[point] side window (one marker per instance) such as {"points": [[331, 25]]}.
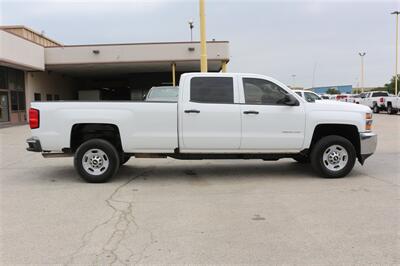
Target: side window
{"points": [[211, 89], [298, 93], [380, 94], [260, 91]]}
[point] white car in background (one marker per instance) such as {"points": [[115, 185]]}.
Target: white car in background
{"points": [[309, 96], [392, 104], [374, 100]]}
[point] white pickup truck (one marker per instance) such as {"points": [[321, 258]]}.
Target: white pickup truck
{"points": [[392, 104], [217, 116], [374, 100]]}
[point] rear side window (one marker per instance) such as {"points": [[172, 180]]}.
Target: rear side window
{"points": [[379, 94], [211, 89]]}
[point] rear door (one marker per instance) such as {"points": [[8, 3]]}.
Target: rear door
{"points": [[268, 125], [210, 115]]}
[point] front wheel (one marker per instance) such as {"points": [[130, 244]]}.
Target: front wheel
{"points": [[376, 109], [391, 110], [96, 160], [333, 156]]}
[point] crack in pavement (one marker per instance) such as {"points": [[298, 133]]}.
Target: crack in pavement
{"points": [[114, 241]]}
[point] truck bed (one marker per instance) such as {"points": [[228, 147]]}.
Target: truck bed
{"points": [[143, 126]]}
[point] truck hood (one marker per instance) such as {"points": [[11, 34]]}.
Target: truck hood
{"points": [[329, 105]]}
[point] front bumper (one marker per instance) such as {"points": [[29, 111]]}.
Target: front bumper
{"points": [[34, 145], [368, 143]]}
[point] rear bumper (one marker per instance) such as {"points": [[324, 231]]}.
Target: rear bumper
{"points": [[34, 145], [368, 143]]}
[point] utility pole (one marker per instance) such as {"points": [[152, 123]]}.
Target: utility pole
{"points": [[203, 40], [362, 69], [397, 50]]}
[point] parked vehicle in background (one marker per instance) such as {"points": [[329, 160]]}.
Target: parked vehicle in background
{"points": [[374, 100], [309, 96], [355, 98], [325, 97], [217, 116], [392, 104], [163, 94]]}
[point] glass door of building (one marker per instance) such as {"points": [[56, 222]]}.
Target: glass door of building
{"points": [[4, 117]]}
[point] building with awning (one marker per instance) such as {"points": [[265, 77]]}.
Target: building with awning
{"points": [[34, 67]]}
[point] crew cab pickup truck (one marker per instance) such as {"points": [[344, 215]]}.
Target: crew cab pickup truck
{"points": [[216, 116], [392, 104], [374, 100]]}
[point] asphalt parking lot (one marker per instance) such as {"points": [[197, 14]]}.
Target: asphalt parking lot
{"points": [[169, 211]]}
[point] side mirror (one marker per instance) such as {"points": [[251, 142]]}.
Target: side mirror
{"points": [[290, 100]]}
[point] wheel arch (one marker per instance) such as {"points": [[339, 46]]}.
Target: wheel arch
{"points": [[82, 132], [348, 131]]}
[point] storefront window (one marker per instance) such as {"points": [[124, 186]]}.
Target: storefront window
{"points": [[12, 79], [3, 78], [17, 101]]}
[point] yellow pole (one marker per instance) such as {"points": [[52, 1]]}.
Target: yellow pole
{"points": [[203, 41], [223, 68], [173, 74], [397, 52]]}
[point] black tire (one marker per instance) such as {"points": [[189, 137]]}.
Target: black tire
{"points": [[321, 147], [106, 155], [375, 109], [301, 158], [391, 110], [124, 159]]}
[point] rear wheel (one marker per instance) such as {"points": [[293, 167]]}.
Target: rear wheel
{"points": [[333, 156], [96, 160]]}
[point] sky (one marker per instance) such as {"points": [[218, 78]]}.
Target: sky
{"points": [[301, 43]]}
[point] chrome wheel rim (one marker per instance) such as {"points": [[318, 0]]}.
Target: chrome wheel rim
{"points": [[335, 158], [95, 162]]}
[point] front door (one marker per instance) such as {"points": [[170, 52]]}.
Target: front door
{"points": [[268, 125], [209, 116], [4, 107]]}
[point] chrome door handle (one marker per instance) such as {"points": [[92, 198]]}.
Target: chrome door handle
{"points": [[250, 112]]}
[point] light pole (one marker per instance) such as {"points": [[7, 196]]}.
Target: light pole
{"points": [[203, 41], [362, 69], [397, 49], [191, 26]]}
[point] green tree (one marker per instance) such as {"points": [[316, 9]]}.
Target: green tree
{"points": [[389, 87], [333, 90]]}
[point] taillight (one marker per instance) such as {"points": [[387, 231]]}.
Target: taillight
{"points": [[34, 118], [381, 99]]}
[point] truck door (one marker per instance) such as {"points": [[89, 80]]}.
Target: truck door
{"points": [[209, 115], [268, 124]]}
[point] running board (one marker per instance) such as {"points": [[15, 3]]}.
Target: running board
{"points": [[56, 154]]}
